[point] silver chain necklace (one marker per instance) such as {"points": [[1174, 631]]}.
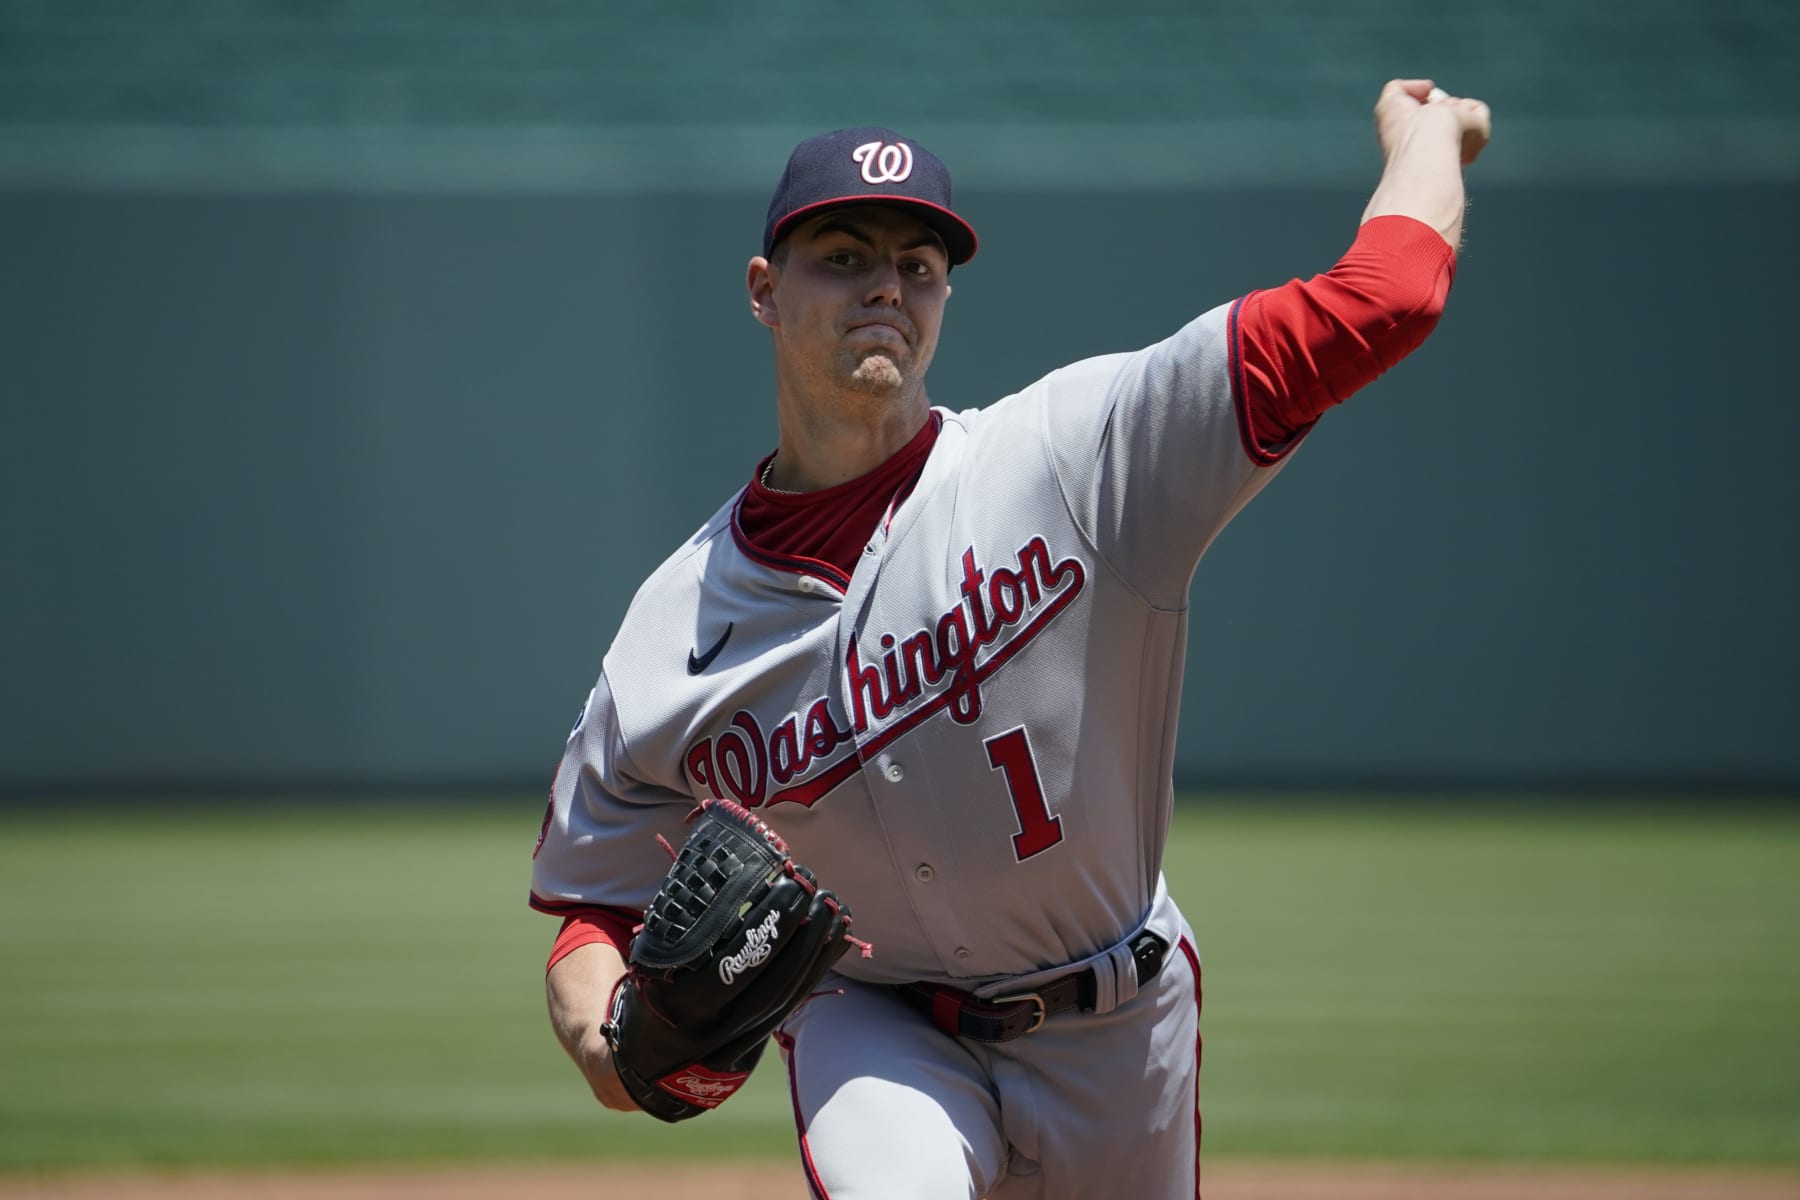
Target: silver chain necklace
{"points": [[768, 468]]}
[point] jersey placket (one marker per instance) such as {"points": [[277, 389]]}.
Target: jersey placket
{"points": [[897, 776]]}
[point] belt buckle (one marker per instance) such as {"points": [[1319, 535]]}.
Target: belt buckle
{"points": [[1037, 1000]]}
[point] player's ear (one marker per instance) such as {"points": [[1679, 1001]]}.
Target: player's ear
{"points": [[759, 281]]}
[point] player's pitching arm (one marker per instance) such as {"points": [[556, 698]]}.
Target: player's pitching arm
{"points": [[1311, 344], [579, 988]]}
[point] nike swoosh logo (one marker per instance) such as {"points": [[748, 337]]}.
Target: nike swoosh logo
{"points": [[697, 665]]}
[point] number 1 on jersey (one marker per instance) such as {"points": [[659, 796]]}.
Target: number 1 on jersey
{"points": [[1010, 753]]}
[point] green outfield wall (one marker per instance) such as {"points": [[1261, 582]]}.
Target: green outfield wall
{"points": [[350, 488]]}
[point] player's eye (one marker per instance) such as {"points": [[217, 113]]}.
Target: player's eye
{"points": [[841, 258]]}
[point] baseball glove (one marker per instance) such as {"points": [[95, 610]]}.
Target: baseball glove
{"points": [[737, 936]]}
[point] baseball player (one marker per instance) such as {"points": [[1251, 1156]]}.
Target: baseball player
{"points": [[940, 654]]}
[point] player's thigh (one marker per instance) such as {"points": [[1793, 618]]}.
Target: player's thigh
{"points": [[888, 1108], [1084, 1086]]}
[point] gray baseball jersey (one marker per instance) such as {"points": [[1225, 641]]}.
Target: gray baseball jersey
{"points": [[970, 739]]}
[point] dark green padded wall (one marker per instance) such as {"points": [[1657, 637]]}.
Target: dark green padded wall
{"points": [[329, 489], [357, 357]]}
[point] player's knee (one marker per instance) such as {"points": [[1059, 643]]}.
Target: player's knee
{"points": [[879, 1141]]}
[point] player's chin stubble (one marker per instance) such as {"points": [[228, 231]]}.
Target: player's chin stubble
{"points": [[877, 373]]}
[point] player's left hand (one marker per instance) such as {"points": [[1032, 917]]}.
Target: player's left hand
{"points": [[1404, 103], [736, 938]]}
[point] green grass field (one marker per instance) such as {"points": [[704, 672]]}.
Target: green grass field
{"points": [[282, 983]]}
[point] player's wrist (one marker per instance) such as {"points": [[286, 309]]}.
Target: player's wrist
{"points": [[602, 1074], [598, 1062]]}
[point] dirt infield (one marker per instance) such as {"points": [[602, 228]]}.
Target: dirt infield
{"points": [[763, 1181]]}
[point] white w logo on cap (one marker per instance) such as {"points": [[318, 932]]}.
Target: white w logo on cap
{"points": [[882, 162]]}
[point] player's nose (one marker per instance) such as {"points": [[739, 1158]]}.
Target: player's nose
{"points": [[884, 286]]}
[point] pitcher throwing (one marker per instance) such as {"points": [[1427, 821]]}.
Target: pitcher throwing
{"points": [[936, 658]]}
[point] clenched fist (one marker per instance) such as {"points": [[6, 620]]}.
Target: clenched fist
{"points": [[1406, 103]]}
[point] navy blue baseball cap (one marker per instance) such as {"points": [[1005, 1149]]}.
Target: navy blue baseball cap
{"points": [[870, 165]]}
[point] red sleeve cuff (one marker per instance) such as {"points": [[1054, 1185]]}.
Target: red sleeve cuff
{"points": [[614, 926], [1310, 344]]}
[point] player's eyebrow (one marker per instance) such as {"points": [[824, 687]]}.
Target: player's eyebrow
{"points": [[850, 228], [928, 238], [831, 225]]}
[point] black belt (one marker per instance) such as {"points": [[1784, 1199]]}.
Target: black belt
{"points": [[962, 1014]]}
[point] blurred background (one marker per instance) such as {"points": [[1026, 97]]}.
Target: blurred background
{"points": [[358, 359], [361, 358]]}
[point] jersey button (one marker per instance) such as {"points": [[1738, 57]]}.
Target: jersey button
{"points": [[924, 873], [894, 773], [964, 954], [808, 584]]}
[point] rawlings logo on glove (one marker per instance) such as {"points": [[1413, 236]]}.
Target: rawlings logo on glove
{"points": [[737, 936], [756, 949]]}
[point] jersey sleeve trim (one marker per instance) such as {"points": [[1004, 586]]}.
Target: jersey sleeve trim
{"points": [[1260, 454], [569, 908]]}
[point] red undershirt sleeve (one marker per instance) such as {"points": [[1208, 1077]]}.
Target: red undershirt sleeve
{"points": [[613, 926], [1310, 344]]}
